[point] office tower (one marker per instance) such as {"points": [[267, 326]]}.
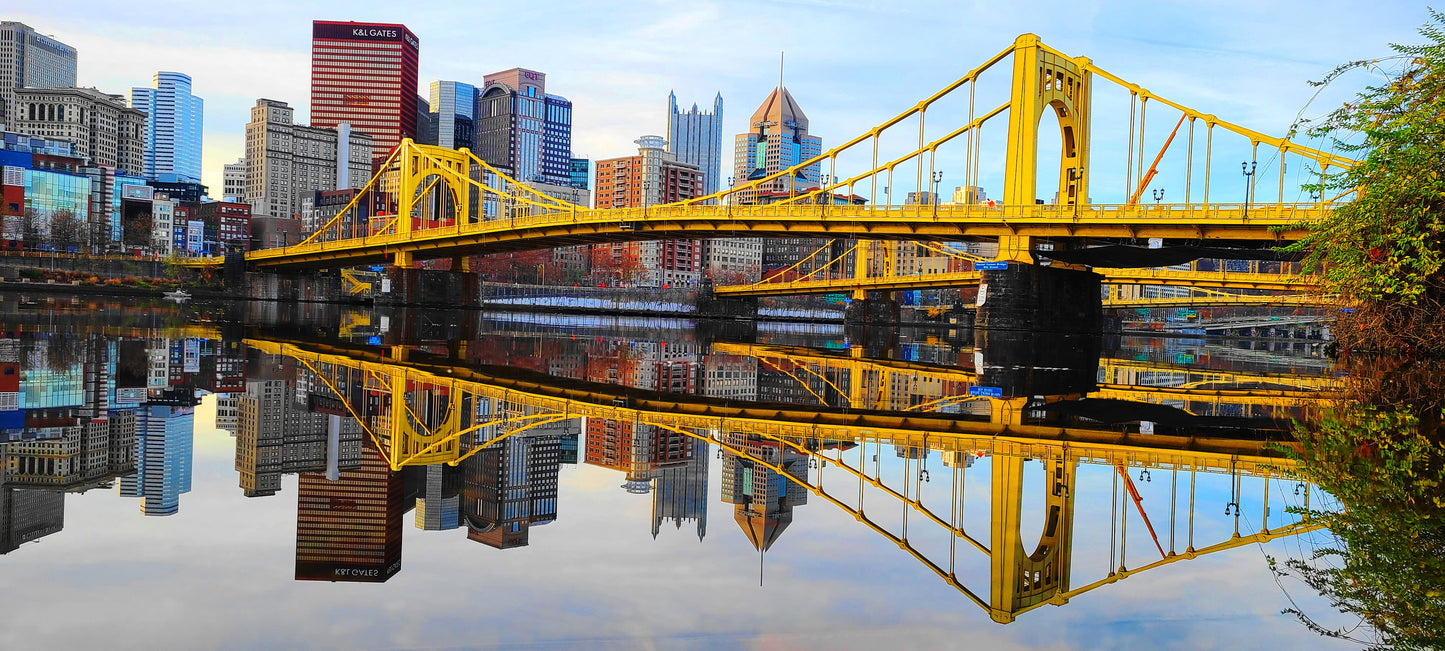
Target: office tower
{"points": [[111, 133], [510, 486], [695, 137], [778, 139], [173, 127], [164, 438], [653, 177], [364, 75], [349, 529], [523, 128], [557, 140], [453, 110], [581, 173], [233, 184], [31, 60], [679, 492], [763, 500], [287, 162], [426, 125]]}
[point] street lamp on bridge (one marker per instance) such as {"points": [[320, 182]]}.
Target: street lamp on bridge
{"points": [[1248, 170], [1158, 195], [937, 179]]}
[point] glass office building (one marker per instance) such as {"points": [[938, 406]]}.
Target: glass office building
{"points": [[453, 110], [173, 124]]}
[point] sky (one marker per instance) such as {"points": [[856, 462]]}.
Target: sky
{"points": [[850, 64]]}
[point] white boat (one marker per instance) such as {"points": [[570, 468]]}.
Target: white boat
{"points": [[177, 295]]}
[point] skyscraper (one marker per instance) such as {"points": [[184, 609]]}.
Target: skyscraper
{"points": [[778, 139], [696, 137], [287, 162], [453, 109], [173, 128], [365, 75], [30, 60], [523, 128]]}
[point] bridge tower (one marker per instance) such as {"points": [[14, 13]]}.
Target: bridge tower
{"points": [[433, 189], [1045, 81], [1019, 579]]}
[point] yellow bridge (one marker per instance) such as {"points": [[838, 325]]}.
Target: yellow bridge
{"points": [[434, 203], [422, 409]]}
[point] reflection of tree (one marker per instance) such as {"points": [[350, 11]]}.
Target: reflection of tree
{"points": [[1380, 453]]}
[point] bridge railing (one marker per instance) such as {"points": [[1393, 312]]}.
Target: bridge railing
{"points": [[627, 217]]}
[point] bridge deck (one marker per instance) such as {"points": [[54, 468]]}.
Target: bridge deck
{"points": [[1262, 223]]}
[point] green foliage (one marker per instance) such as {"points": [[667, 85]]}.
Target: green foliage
{"points": [[1388, 244], [1386, 466]]}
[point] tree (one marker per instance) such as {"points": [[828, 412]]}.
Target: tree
{"points": [[66, 230], [1385, 250], [32, 228]]}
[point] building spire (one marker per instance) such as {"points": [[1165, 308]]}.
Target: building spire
{"points": [[780, 70]]}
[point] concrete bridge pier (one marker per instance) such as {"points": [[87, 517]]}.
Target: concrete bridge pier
{"points": [[405, 285], [710, 305], [1040, 299], [871, 311]]}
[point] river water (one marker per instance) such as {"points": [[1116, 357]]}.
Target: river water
{"points": [[262, 475]]}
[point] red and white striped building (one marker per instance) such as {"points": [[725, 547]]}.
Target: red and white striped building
{"points": [[365, 75]]}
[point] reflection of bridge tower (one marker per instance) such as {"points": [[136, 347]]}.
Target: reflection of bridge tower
{"points": [[680, 492], [1022, 579], [763, 499]]}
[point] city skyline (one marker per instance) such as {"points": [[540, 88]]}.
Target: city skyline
{"points": [[1209, 55]]}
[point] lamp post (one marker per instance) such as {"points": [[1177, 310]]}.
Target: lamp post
{"points": [[1158, 195], [937, 179], [1248, 170]]}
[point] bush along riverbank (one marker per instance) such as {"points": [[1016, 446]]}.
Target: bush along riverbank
{"points": [[1383, 252]]}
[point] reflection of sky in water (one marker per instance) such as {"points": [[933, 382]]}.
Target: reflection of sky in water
{"points": [[220, 574]]}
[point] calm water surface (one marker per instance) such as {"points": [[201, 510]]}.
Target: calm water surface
{"points": [[265, 475]]}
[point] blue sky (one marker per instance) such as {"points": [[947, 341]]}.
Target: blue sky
{"points": [[850, 63]]}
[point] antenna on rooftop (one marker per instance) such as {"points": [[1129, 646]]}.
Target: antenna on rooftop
{"points": [[780, 69]]}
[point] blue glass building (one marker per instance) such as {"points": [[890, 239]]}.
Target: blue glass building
{"points": [[695, 136], [453, 111], [173, 123]]}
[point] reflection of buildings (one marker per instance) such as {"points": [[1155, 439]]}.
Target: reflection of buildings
{"points": [[510, 486], [762, 499], [438, 506], [277, 433], [637, 449], [349, 529], [679, 493], [163, 458]]}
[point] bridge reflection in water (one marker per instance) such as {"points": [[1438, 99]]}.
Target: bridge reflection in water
{"points": [[422, 409]]}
